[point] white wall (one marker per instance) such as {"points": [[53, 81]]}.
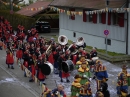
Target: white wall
{"points": [[94, 41], [116, 32], [129, 31], [93, 33]]}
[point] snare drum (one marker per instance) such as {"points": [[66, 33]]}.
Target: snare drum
{"points": [[67, 66]]}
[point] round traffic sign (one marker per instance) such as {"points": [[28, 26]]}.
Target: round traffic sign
{"points": [[106, 32]]}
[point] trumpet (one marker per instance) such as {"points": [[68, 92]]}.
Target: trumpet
{"points": [[48, 51]]}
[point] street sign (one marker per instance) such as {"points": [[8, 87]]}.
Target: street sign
{"points": [[106, 32]]}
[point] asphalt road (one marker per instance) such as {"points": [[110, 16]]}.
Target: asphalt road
{"points": [[14, 84]]}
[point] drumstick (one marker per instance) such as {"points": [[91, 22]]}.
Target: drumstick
{"points": [[56, 83]]}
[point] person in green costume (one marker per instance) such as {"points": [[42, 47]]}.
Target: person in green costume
{"points": [[75, 87], [84, 73]]}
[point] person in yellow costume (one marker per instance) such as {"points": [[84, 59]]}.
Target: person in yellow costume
{"points": [[123, 82], [79, 63], [125, 72], [100, 73], [86, 90], [75, 87], [84, 73]]}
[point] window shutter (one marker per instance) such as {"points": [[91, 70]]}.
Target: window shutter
{"points": [[121, 19], [94, 18], [109, 18], [103, 18], [84, 16]]}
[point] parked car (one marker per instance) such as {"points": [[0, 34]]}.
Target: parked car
{"points": [[43, 27]]}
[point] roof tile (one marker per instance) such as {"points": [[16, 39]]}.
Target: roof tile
{"points": [[37, 4], [93, 4]]}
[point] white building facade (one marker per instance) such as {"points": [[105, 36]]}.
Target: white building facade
{"points": [[129, 30], [91, 27]]}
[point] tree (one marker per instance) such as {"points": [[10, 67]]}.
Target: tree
{"points": [[7, 7], [14, 1], [30, 1]]}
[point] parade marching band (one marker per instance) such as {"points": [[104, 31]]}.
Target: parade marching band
{"points": [[39, 57]]}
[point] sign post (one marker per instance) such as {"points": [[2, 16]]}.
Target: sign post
{"points": [[106, 32]]}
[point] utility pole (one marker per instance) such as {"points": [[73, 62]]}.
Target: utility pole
{"points": [[11, 6]]}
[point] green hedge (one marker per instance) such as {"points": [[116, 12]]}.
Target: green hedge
{"points": [[16, 19]]}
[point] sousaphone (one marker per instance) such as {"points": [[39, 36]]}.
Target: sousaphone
{"points": [[62, 39], [80, 41]]}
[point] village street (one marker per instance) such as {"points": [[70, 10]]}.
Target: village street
{"points": [[14, 84]]}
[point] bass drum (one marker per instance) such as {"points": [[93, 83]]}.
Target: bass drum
{"points": [[67, 66], [47, 68]]}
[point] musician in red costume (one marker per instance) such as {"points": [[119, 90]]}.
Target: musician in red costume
{"points": [[19, 52], [40, 75], [61, 73], [25, 58], [55, 55], [1, 45], [93, 53], [67, 54], [0, 31], [10, 58], [51, 58], [72, 47], [37, 52], [74, 57], [31, 67]]}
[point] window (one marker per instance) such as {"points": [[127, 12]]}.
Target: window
{"points": [[103, 18], [100, 18], [74, 34], [115, 18], [72, 16], [93, 18], [108, 41], [90, 17], [118, 19]]}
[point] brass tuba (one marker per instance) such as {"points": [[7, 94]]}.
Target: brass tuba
{"points": [[62, 39], [80, 41]]}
